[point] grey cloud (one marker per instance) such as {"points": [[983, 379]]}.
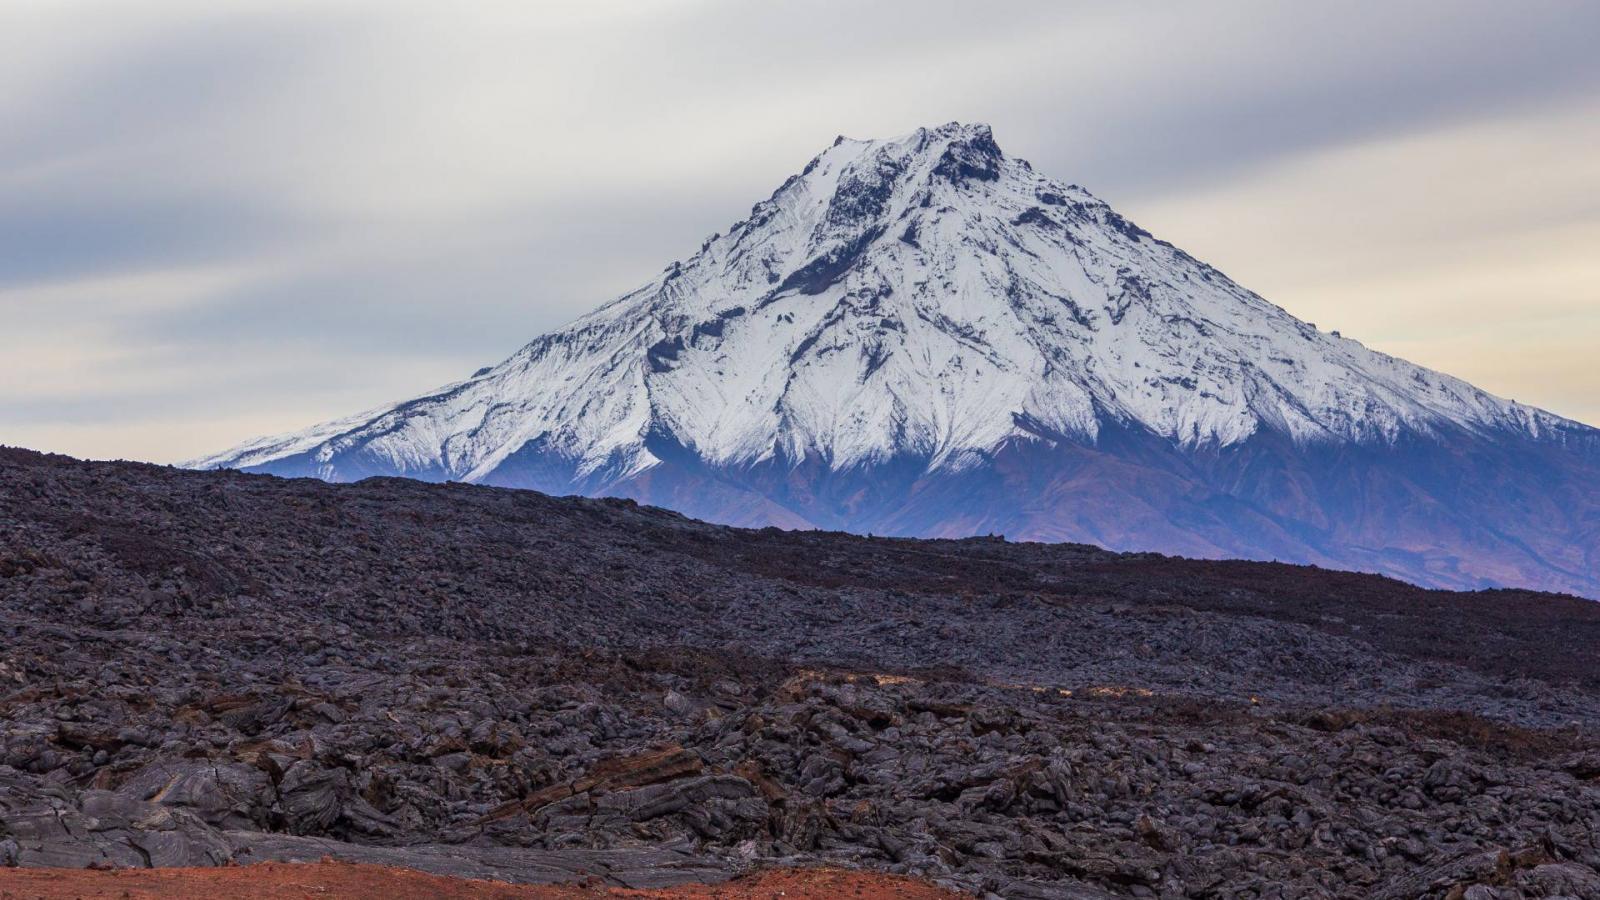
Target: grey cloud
{"points": [[320, 145], [476, 295], [173, 81], [106, 224], [1243, 84], [114, 166]]}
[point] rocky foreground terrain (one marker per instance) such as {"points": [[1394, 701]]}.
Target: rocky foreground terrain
{"points": [[363, 881], [204, 668]]}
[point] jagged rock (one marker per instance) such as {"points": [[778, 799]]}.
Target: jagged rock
{"points": [[1454, 876], [1452, 780], [224, 795], [643, 804], [1558, 880], [956, 710], [614, 774], [111, 830], [312, 797]]}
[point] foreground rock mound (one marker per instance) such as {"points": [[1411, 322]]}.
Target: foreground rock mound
{"points": [[204, 668]]}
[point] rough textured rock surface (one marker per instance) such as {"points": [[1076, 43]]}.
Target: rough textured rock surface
{"points": [[356, 881], [205, 667]]}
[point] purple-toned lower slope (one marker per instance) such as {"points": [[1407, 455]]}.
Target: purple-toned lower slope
{"points": [[1462, 512]]}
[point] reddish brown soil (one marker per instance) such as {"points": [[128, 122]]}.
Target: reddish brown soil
{"points": [[286, 881]]}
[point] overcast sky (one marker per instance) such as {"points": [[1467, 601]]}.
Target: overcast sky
{"points": [[215, 225]]}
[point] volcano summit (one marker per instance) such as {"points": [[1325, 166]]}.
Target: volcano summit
{"points": [[924, 336]]}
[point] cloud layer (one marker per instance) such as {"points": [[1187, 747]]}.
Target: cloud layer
{"points": [[214, 225]]}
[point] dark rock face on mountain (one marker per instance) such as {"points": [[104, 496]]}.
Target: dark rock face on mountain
{"points": [[205, 667], [926, 337]]}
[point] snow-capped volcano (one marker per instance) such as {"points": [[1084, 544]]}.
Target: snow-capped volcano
{"points": [[909, 315]]}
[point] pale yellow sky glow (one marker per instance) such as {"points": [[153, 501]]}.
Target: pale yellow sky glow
{"points": [[1473, 248], [219, 222]]}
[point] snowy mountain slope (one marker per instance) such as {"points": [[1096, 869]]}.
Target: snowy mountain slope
{"points": [[906, 311]]}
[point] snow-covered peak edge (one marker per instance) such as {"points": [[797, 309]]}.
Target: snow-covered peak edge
{"points": [[922, 296]]}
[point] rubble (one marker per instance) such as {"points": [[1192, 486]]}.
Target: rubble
{"points": [[200, 669]]}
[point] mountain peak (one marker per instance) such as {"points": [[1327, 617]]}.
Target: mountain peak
{"points": [[925, 297], [918, 305], [970, 152], [929, 135], [976, 136], [954, 151]]}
